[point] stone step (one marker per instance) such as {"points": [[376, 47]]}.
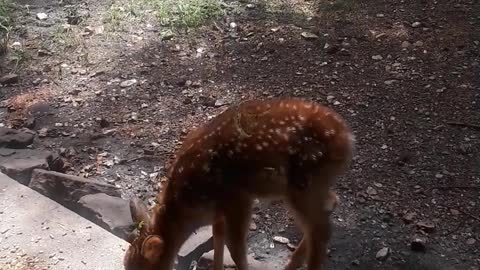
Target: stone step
{"points": [[38, 233]]}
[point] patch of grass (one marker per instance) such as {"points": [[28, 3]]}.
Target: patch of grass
{"points": [[184, 14], [346, 6], [67, 36], [6, 7], [124, 14], [18, 57]]}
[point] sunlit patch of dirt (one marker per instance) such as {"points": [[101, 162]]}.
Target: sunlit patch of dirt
{"points": [[19, 105]]}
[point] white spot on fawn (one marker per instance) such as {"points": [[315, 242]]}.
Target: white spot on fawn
{"points": [[258, 147], [265, 144], [307, 105], [180, 169], [329, 132]]}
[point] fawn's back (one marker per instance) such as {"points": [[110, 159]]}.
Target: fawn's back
{"points": [[263, 148]]}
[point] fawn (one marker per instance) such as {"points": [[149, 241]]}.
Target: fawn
{"points": [[287, 149]]}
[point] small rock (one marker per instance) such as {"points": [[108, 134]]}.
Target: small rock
{"points": [[409, 217], [389, 82], [455, 212], [416, 24], [471, 241], [380, 15], [418, 43], [9, 79], [253, 226], [426, 226], [309, 36], [418, 245], [233, 25], [406, 44], [371, 191], [355, 262], [42, 16], [383, 253], [250, 6], [220, 102], [377, 57], [128, 83], [281, 239]]}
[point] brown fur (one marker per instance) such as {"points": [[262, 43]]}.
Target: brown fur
{"points": [[287, 149]]}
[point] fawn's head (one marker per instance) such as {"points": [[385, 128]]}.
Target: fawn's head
{"points": [[149, 249]]}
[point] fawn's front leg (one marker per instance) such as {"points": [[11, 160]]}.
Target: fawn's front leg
{"points": [[237, 221], [218, 229]]}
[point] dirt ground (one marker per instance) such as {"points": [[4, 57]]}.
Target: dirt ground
{"points": [[115, 98]]}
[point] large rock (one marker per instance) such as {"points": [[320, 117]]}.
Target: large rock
{"points": [[37, 234], [68, 189], [198, 244], [20, 163], [110, 213], [12, 138]]}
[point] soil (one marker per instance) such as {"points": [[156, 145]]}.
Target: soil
{"points": [[116, 101]]}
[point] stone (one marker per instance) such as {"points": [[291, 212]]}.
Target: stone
{"points": [[406, 44], [281, 239], [309, 36], [416, 24], [196, 245], [418, 43], [110, 213], [383, 253], [42, 16], [371, 191], [377, 57], [471, 241], [12, 138], [418, 245], [20, 163], [68, 189], [128, 83], [9, 79], [409, 217], [426, 226]]}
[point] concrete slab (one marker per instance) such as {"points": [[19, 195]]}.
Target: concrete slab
{"points": [[38, 233]]}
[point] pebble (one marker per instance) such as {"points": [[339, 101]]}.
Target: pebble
{"points": [[281, 239], [377, 57], [383, 253], [471, 241], [371, 191], [42, 16], [418, 43], [128, 83], [416, 24], [309, 36], [406, 44]]}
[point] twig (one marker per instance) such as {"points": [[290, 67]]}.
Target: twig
{"points": [[456, 187], [468, 214], [473, 126]]}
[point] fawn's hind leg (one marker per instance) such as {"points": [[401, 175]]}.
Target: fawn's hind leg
{"points": [[218, 229], [299, 255], [237, 221]]}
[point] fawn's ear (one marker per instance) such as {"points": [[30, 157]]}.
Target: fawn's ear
{"points": [[152, 248], [139, 213]]}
